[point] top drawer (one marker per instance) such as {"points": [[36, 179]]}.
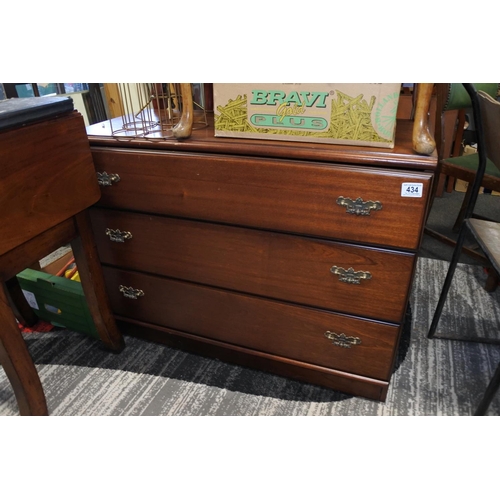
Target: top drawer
{"points": [[301, 197]]}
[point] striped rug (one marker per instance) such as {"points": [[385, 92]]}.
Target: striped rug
{"points": [[433, 377]]}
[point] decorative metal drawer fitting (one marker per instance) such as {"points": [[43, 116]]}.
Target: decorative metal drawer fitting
{"points": [[130, 292], [118, 236], [105, 179], [358, 206], [342, 340], [350, 275]]}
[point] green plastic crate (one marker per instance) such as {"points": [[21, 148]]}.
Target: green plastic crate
{"points": [[58, 300]]}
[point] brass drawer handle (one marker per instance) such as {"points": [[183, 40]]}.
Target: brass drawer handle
{"points": [[105, 179], [117, 235], [130, 292], [342, 340], [350, 275], [358, 206]]}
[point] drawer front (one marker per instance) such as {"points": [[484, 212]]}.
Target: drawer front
{"points": [[320, 273], [300, 197], [322, 338]]}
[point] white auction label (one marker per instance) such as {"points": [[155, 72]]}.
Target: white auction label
{"points": [[412, 189], [30, 297]]}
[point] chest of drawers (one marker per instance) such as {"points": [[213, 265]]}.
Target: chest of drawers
{"points": [[292, 258]]}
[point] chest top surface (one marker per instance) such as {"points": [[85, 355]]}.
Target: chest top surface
{"points": [[204, 141]]}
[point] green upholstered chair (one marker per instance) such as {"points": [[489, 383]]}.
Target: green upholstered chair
{"points": [[451, 97]]}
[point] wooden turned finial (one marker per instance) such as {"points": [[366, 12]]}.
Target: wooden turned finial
{"points": [[185, 125], [422, 140]]}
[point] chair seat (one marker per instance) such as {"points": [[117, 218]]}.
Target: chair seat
{"points": [[468, 165], [487, 234], [471, 162]]}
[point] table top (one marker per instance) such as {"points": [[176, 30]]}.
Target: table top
{"points": [[20, 111]]}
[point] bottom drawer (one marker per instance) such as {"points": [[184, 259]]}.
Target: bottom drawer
{"points": [[313, 336]]}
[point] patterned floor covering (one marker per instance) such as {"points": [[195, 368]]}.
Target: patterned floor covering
{"points": [[433, 377]]}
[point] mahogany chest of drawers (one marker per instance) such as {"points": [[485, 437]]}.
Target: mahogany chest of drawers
{"points": [[293, 258]]}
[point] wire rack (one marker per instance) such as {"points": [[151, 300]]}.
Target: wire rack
{"points": [[153, 109]]}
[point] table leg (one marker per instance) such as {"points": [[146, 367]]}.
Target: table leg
{"points": [[20, 307], [18, 364], [94, 288]]}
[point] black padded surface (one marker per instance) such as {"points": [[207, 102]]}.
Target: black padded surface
{"points": [[21, 111]]}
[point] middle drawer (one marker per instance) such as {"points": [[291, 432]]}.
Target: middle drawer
{"points": [[320, 273]]}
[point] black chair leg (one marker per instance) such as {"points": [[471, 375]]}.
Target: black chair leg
{"points": [[463, 209], [489, 394], [447, 281]]}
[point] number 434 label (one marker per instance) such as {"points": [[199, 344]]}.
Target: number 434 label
{"points": [[412, 189]]}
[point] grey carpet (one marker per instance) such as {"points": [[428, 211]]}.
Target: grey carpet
{"points": [[433, 377]]}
